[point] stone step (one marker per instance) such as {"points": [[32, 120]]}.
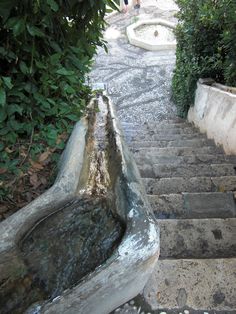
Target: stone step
{"points": [[177, 151], [191, 185], [160, 171], [162, 137], [174, 122], [191, 284], [197, 238], [158, 128], [162, 129], [158, 124], [193, 205], [181, 160], [172, 143]]}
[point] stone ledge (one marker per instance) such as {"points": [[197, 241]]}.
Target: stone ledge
{"points": [[145, 43]]}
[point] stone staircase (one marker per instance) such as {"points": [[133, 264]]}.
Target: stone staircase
{"points": [[191, 186]]}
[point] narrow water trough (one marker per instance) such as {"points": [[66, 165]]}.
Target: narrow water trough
{"points": [[89, 243]]}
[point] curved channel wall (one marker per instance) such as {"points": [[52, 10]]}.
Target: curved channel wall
{"points": [[97, 164]]}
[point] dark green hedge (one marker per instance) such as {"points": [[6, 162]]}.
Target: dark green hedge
{"points": [[46, 49], [206, 47]]}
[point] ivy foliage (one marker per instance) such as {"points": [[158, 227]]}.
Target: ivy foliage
{"points": [[206, 47], [46, 49]]}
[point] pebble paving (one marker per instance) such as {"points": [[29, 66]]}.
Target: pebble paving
{"points": [[138, 81]]}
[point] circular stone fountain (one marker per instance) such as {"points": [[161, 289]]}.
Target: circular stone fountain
{"points": [[153, 34]]}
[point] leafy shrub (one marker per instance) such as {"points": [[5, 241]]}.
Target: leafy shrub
{"points": [[206, 47], [46, 50]]}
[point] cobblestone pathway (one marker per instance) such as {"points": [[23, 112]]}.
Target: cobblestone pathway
{"points": [[137, 80]]}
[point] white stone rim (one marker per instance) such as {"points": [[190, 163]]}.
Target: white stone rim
{"points": [[147, 44]]}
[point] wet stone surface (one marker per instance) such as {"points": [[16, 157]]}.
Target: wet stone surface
{"points": [[61, 250]]}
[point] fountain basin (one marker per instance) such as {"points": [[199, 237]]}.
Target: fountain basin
{"points": [[49, 263], [152, 34]]}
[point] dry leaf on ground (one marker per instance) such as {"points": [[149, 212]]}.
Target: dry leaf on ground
{"points": [[34, 180]]}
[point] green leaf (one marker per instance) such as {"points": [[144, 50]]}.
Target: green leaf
{"points": [[53, 5], [23, 67], [14, 108], [35, 31], [11, 137], [15, 125], [3, 114], [17, 24], [2, 97], [3, 51], [55, 58], [68, 89], [4, 131], [7, 81], [30, 88], [61, 145], [65, 72], [72, 117], [55, 46], [40, 65]]}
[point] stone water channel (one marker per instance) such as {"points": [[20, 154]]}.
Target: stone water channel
{"points": [[69, 243], [79, 247]]}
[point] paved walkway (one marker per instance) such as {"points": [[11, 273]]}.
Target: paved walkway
{"points": [[138, 81]]}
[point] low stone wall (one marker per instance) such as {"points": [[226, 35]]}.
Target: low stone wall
{"points": [[214, 113]]}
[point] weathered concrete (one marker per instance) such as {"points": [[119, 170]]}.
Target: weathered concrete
{"points": [[167, 206], [209, 205], [193, 184], [157, 171], [177, 151], [162, 137], [85, 172], [214, 112], [193, 205], [192, 159], [198, 238], [171, 143], [195, 284]]}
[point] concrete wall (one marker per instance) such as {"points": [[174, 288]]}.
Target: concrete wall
{"points": [[214, 112]]}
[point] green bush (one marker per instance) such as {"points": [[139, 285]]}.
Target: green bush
{"points": [[206, 47], [46, 48]]}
